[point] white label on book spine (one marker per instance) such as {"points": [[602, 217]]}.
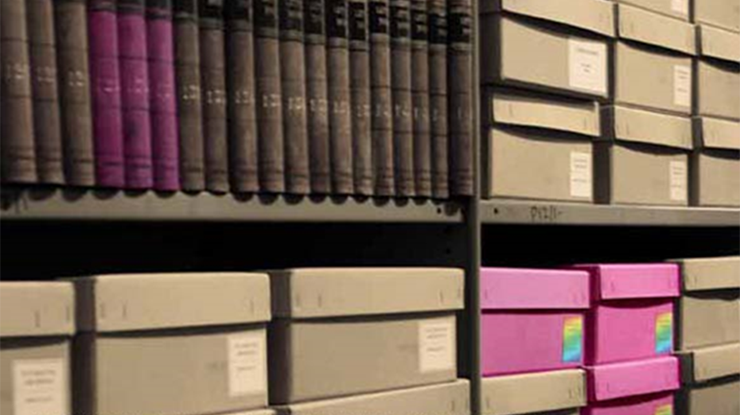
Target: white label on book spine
{"points": [[587, 65], [680, 6], [247, 368], [436, 345], [682, 85], [581, 184], [678, 180], [40, 386]]}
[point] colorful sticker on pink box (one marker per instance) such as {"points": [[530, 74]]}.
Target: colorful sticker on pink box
{"points": [[573, 339], [664, 410], [664, 333]]}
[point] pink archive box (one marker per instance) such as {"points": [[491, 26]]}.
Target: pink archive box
{"points": [[533, 320], [632, 312], [640, 387]]}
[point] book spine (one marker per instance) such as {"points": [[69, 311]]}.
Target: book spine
{"points": [[137, 135], [359, 63], [105, 79], [340, 117], [240, 92], [46, 125], [460, 83], [380, 84], [189, 108], [317, 96], [74, 91], [438, 97], [293, 83], [213, 94], [403, 140], [420, 98], [269, 97], [162, 95]]}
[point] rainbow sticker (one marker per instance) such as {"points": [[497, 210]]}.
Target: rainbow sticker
{"points": [[573, 340], [664, 410], [664, 333]]}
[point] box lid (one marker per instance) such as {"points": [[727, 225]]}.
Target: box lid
{"points": [[507, 395], [647, 127], [655, 29], [707, 363], [512, 288], [623, 281], [710, 273], [718, 43], [36, 309], [544, 111], [442, 399], [674, 8], [593, 15], [334, 292], [637, 377], [125, 302], [716, 133]]}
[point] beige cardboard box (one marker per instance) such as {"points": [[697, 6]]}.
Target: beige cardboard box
{"points": [[699, 274], [715, 163], [651, 79], [595, 16], [534, 392], [347, 331], [197, 340], [674, 8], [451, 398], [720, 13], [655, 29], [709, 363], [643, 158], [717, 86], [36, 324], [712, 381], [718, 43], [518, 52]]}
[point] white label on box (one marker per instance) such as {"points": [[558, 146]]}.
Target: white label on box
{"points": [[247, 368], [680, 6], [682, 85], [678, 180], [39, 387], [581, 184], [587, 65], [436, 345]]}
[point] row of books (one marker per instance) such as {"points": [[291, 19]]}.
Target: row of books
{"points": [[350, 97]]}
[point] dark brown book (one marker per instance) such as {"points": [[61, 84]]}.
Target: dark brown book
{"points": [[460, 83], [293, 83], [47, 125], [438, 97], [269, 97], [241, 93], [340, 116], [382, 111], [403, 139], [359, 70], [18, 150], [420, 98], [70, 20], [213, 81], [189, 107], [317, 96]]}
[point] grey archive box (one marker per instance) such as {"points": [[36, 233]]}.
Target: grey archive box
{"points": [[346, 331], [36, 325], [198, 340]]}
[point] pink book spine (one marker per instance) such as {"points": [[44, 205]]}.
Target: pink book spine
{"points": [[162, 98], [106, 93], [135, 94]]}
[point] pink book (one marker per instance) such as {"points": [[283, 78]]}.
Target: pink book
{"points": [[533, 320], [632, 312]]}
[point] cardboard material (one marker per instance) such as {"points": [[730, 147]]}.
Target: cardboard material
{"points": [[555, 390], [632, 378], [720, 13], [30, 309], [654, 29], [566, 63], [674, 8], [717, 87], [717, 43], [715, 398], [532, 164], [651, 79], [451, 398], [654, 404], [526, 109], [715, 178], [700, 274], [709, 363], [709, 318], [593, 15]]}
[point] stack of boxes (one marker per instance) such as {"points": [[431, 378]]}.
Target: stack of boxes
{"points": [[709, 336]]}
